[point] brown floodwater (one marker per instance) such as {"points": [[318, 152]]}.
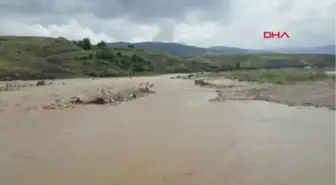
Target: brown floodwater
{"points": [[173, 137]]}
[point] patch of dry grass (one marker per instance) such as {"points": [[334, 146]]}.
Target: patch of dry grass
{"points": [[280, 76]]}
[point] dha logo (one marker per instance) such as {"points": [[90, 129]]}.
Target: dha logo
{"points": [[277, 35]]}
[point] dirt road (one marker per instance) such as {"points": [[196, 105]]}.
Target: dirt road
{"points": [[175, 137]]}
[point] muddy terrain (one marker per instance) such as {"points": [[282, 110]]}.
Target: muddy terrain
{"points": [[317, 93], [158, 131], [59, 94]]}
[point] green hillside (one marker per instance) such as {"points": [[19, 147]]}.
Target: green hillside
{"points": [[183, 49], [41, 57], [172, 48]]}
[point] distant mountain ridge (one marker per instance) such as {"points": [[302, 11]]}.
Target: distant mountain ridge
{"points": [[234, 50], [175, 48], [329, 49], [172, 48]]}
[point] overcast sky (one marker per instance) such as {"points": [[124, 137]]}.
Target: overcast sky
{"points": [[196, 22]]}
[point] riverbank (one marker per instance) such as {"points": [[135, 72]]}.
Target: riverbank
{"points": [[59, 94], [292, 87]]}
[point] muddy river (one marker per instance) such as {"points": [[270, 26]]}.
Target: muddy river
{"points": [[173, 137]]}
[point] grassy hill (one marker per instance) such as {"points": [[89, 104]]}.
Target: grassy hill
{"points": [[42, 57], [182, 49], [233, 50], [330, 49], [179, 49], [172, 48]]}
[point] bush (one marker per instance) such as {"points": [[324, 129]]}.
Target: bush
{"points": [[101, 44], [83, 57], [40, 83], [86, 44], [105, 54]]}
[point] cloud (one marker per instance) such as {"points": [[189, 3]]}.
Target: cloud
{"points": [[147, 9], [73, 30], [197, 22]]}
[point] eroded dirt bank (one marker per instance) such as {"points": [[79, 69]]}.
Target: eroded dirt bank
{"points": [[175, 136], [316, 94], [68, 93]]}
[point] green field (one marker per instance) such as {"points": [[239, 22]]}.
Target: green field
{"points": [[42, 57], [276, 76]]}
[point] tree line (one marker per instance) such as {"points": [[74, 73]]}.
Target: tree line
{"points": [[112, 58], [136, 63], [86, 44]]}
